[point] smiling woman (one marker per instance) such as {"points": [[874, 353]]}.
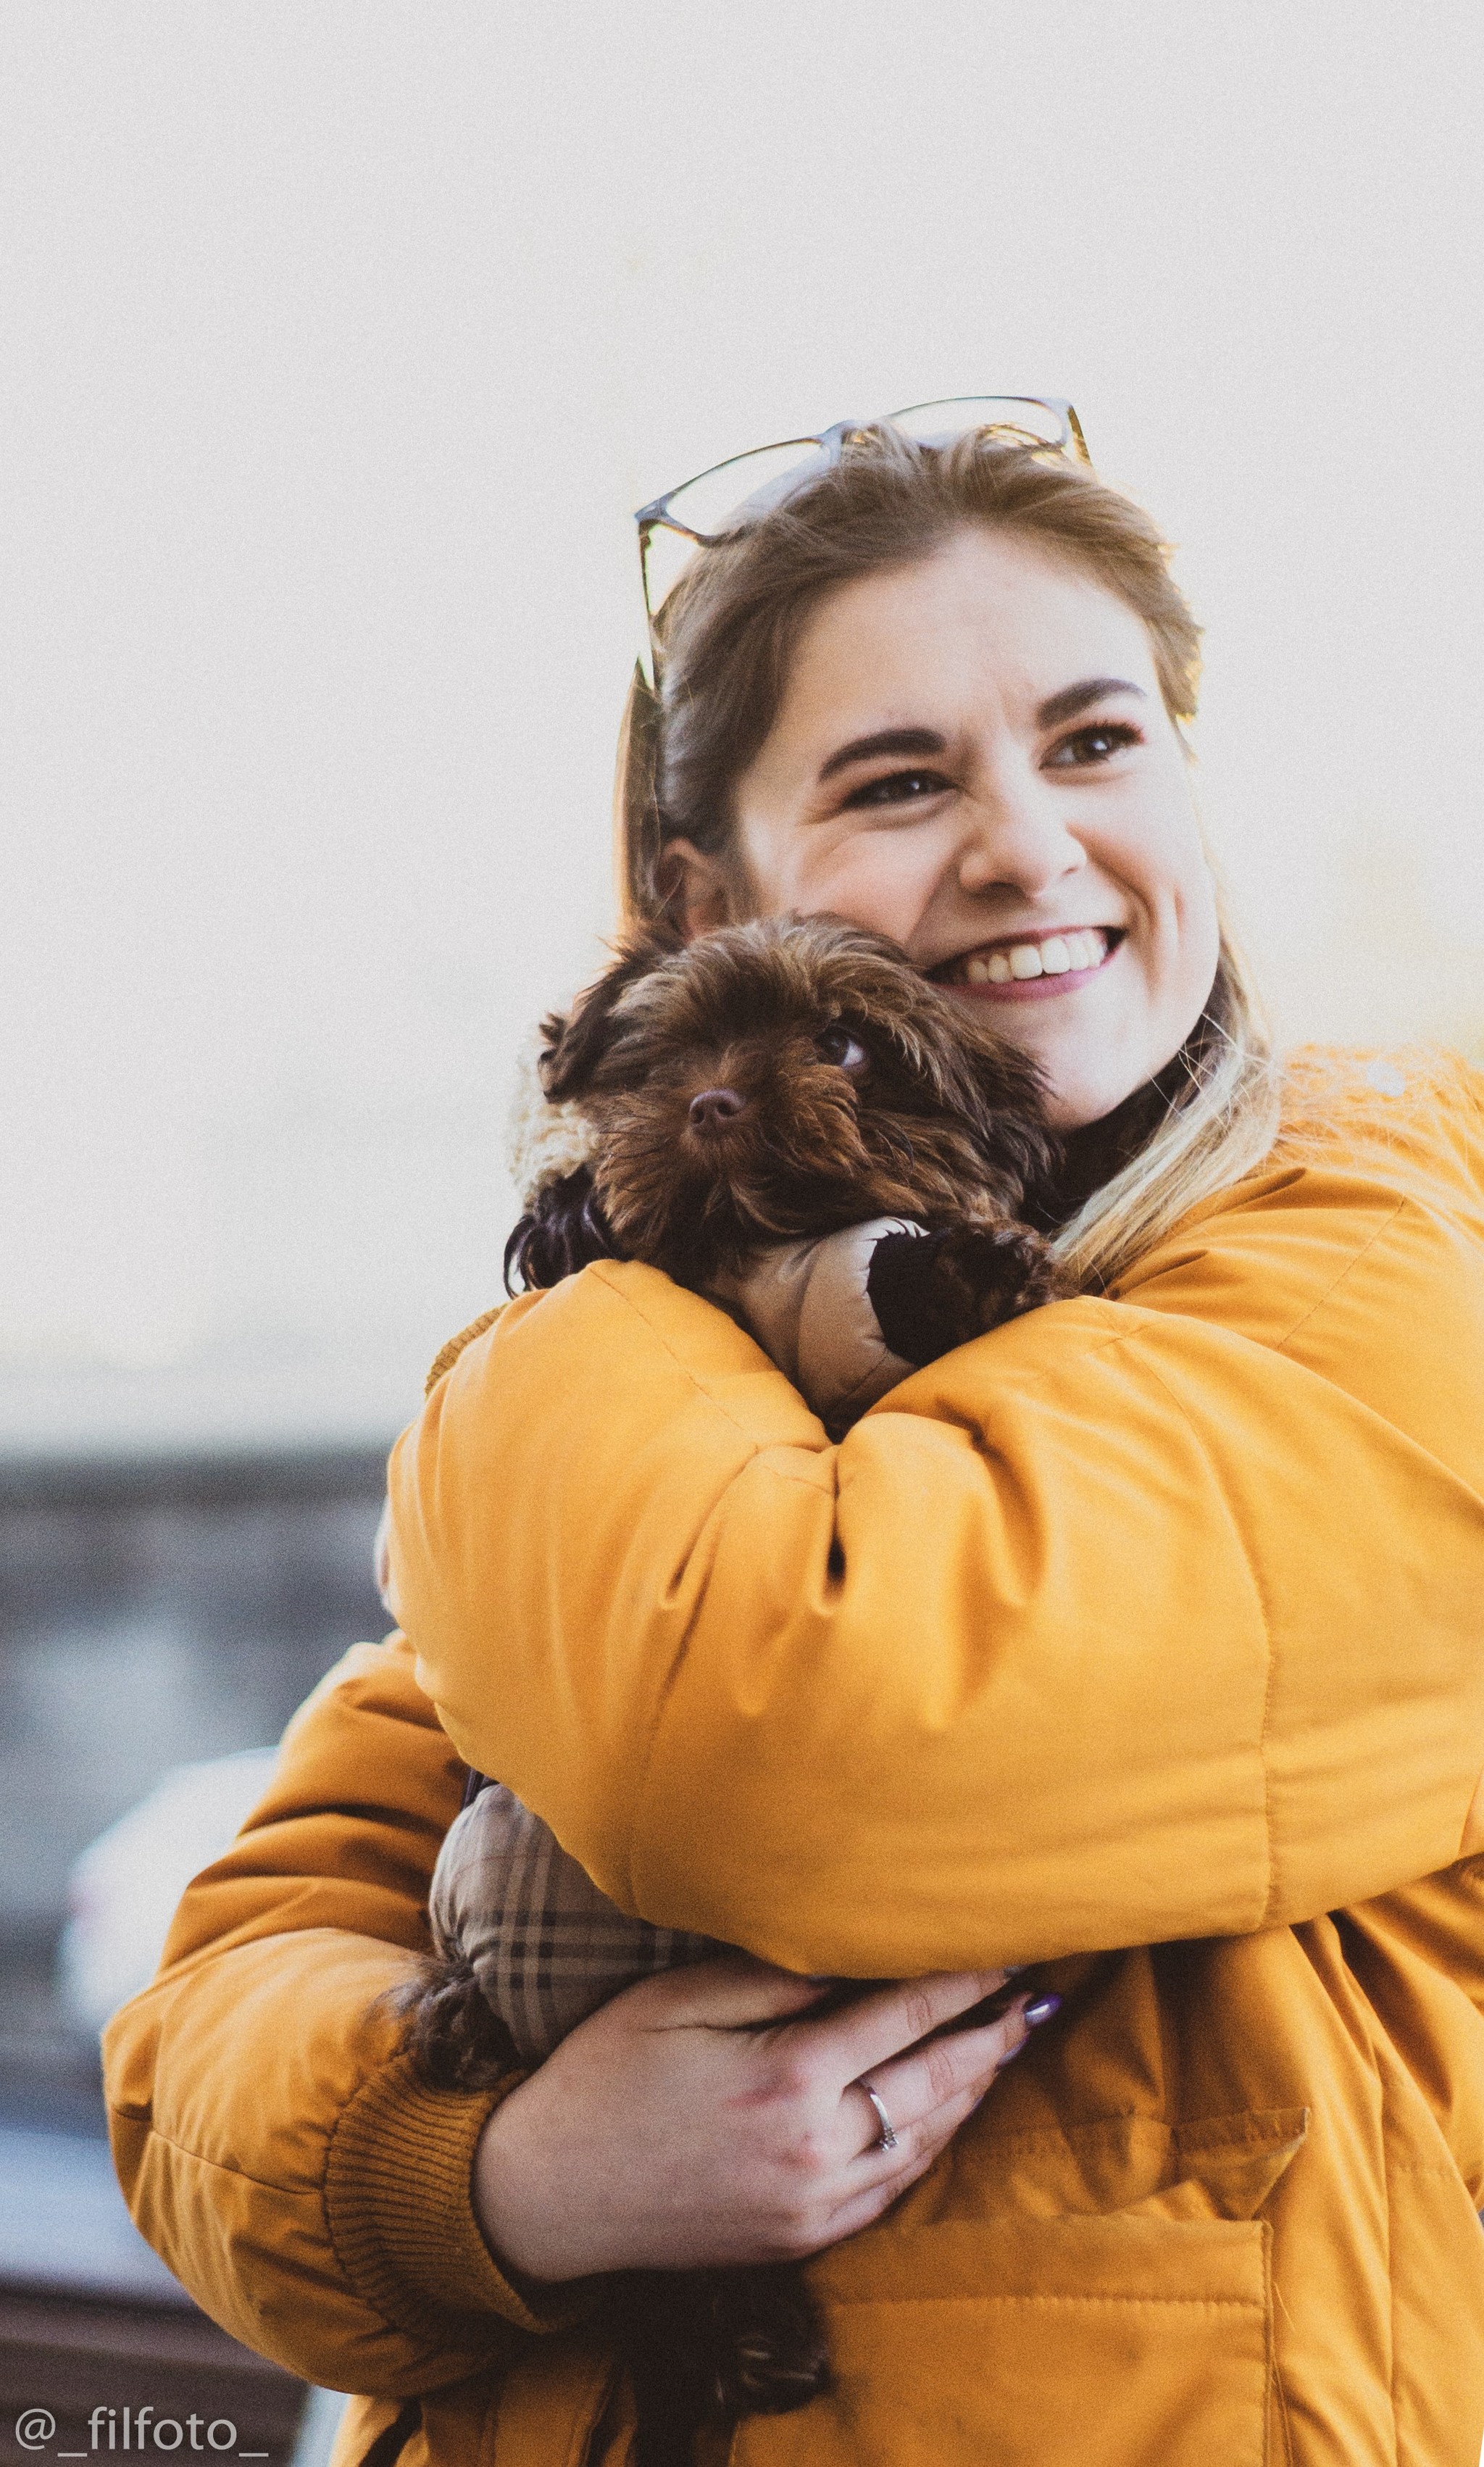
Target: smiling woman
{"points": [[941, 693], [1050, 805], [1135, 1640]]}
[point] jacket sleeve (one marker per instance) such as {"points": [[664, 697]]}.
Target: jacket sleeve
{"points": [[272, 2143], [1418, 1953], [1135, 1620]]}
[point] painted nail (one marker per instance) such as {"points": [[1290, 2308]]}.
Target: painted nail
{"points": [[1042, 2009]]}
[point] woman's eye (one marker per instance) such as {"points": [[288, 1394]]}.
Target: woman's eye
{"points": [[839, 1046], [1085, 747], [898, 788]]}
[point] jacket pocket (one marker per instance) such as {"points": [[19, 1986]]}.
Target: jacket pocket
{"points": [[1060, 2333], [1122, 2342]]}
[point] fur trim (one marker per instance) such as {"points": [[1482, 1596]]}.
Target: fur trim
{"points": [[543, 1141]]}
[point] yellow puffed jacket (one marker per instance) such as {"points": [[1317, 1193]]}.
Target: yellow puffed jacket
{"points": [[1153, 1623]]}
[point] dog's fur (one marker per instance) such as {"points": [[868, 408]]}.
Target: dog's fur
{"points": [[854, 1089], [940, 1119]]}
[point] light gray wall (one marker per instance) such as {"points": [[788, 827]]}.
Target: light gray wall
{"points": [[338, 342]]}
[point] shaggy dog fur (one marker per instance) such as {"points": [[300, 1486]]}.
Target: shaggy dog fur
{"points": [[773, 1082], [767, 1083]]}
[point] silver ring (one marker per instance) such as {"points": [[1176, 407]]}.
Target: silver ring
{"points": [[887, 2139]]}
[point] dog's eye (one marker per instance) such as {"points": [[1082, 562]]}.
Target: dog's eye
{"points": [[838, 1045]]}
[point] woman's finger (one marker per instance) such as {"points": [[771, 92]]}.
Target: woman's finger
{"points": [[916, 2088], [928, 2075], [879, 2025], [917, 2151]]}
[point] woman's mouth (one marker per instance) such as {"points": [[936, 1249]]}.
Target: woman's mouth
{"points": [[1016, 970]]}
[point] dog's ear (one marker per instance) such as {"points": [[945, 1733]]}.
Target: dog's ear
{"points": [[564, 1229], [573, 1046]]}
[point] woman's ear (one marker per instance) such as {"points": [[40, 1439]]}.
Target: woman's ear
{"points": [[699, 889]]}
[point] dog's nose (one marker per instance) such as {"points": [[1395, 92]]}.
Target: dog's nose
{"points": [[714, 1107]]}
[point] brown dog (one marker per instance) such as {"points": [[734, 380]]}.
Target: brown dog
{"points": [[773, 1082], [765, 1085]]}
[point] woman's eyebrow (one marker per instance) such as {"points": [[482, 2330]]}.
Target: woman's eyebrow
{"points": [[886, 740], [1071, 699], [921, 741]]}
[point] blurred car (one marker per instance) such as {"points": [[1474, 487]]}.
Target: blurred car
{"points": [[124, 1888]]}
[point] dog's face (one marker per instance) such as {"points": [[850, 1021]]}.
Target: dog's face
{"points": [[778, 1080]]}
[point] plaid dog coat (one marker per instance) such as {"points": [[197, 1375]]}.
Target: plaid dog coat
{"points": [[545, 1946]]}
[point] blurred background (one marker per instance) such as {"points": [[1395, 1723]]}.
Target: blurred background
{"points": [[339, 344]]}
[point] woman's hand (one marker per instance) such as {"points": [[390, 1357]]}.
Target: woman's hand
{"points": [[702, 2119]]}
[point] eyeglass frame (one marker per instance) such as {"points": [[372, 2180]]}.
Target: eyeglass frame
{"points": [[656, 515]]}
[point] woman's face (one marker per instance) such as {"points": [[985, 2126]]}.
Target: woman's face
{"points": [[972, 756]]}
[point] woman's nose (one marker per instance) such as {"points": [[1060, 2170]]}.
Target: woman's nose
{"points": [[1019, 842]]}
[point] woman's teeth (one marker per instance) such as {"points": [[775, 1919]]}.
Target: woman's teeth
{"points": [[1055, 956]]}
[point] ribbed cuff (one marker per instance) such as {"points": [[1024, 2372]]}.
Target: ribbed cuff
{"points": [[398, 2198]]}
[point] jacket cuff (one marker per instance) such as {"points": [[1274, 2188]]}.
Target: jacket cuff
{"points": [[399, 2203]]}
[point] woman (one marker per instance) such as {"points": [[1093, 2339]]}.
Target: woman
{"points": [[1150, 1621]]}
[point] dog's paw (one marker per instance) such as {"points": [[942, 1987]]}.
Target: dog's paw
{"points": [[933, 1292], [998, 1273]]}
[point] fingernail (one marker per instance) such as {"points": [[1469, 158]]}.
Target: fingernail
{"points": [[1042, 2009]]}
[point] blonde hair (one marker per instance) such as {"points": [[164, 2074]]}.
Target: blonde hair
{"points": [[725, 643]]}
